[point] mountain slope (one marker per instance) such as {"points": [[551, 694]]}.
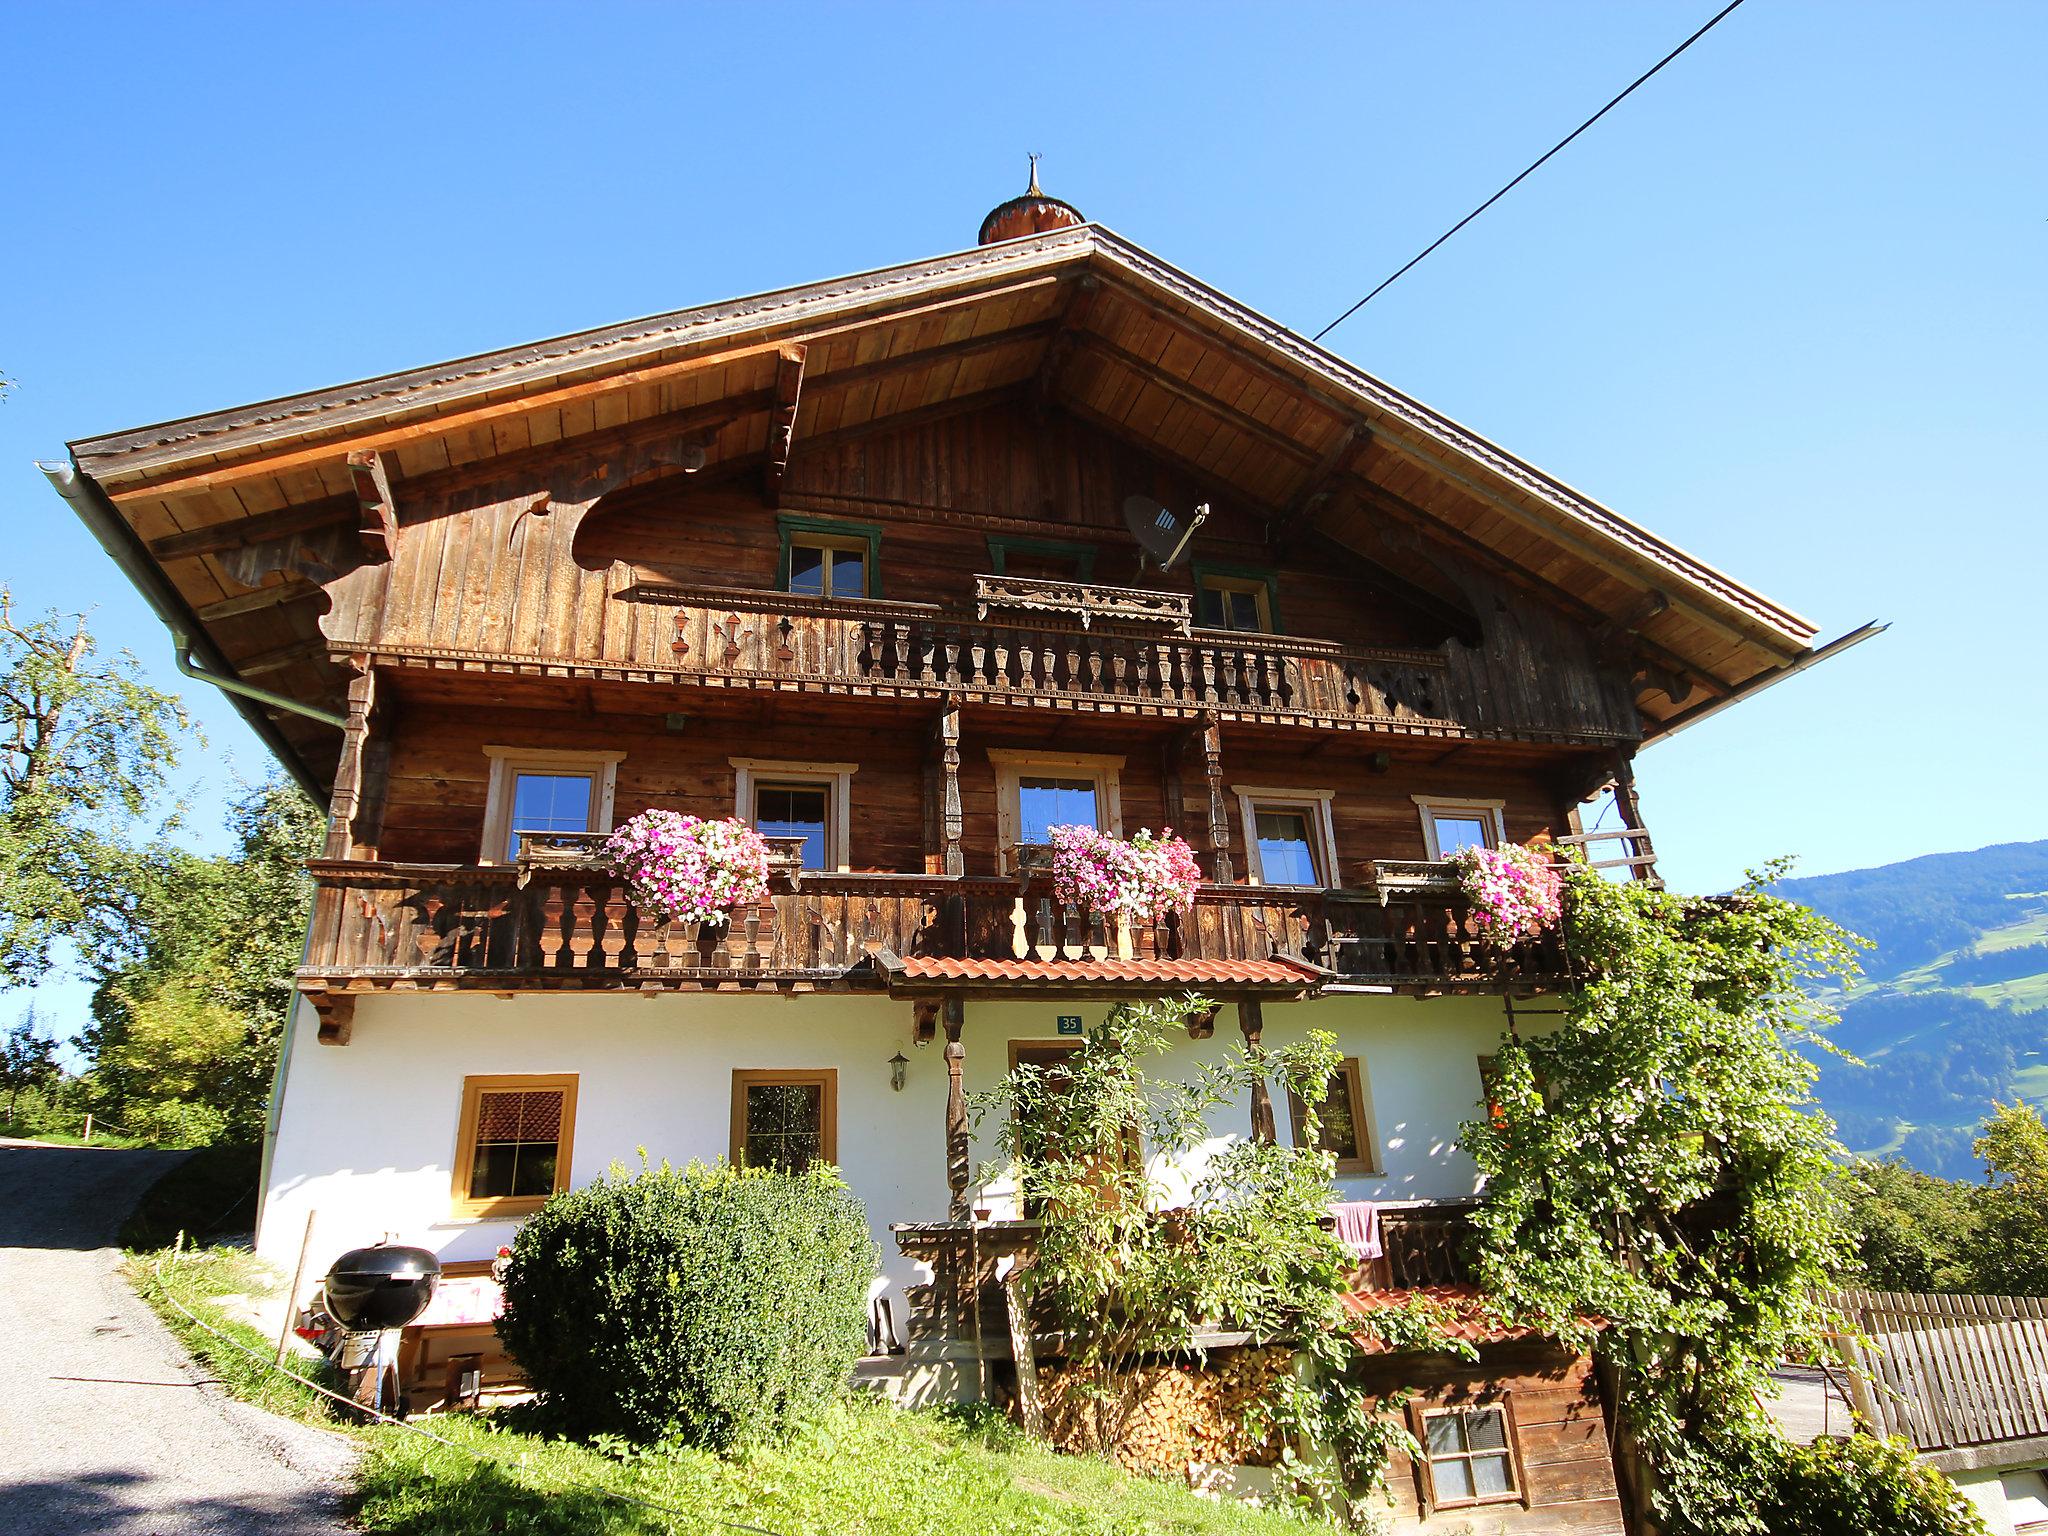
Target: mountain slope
{"points": [[1952, 1012]]}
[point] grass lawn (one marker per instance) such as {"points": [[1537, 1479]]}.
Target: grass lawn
{"points": [[867, 1470]]}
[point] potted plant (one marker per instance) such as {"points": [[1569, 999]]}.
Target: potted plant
{"points": [[1130, 882], [1514, 893], [690, 869]]}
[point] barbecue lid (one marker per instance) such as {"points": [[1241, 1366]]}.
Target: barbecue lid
{"points": [[388, 1261]]}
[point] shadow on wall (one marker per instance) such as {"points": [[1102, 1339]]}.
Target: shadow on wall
{"points": [[118, 1504]]}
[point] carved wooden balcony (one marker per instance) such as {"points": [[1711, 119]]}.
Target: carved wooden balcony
{"points": [[546, 924], [1035, 643]]}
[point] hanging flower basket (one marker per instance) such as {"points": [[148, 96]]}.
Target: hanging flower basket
{"points": [[687, 869], [1514, 893], [1141, 878]]}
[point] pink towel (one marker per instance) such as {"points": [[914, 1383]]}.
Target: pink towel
{"points": [[1358, 1227]]}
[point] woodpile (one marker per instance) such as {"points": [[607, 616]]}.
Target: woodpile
{"points": [[1183, 1412]]}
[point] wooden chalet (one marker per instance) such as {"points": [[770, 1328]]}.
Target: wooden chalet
{"points": [[851, 560]]}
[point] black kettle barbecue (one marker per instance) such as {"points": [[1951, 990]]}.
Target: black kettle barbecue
{"points": [[386, 1286]]}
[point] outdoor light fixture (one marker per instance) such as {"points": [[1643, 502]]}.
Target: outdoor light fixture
{"points": [[899, 1064]]}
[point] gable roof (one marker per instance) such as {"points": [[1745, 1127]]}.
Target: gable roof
{"points": [[1104, 328]]}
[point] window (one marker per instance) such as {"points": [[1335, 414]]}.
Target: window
{"points": [[1035, 792], [1229, 597], [786, 1120], [1448, 825], [828, 557], [1468, 1455], [1288, 835], [1042, 559], [513, 1147], [537, 790], [1345, 1121], [812, 801]]}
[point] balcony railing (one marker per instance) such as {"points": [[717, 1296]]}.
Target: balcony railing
{"points": [[546, 923], [1091, 655]]}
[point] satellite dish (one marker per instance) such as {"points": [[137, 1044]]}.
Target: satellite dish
{"points": [[1161, 532]]}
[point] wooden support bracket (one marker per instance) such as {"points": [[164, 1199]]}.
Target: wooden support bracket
{"points": [[1251, 1019], [379, 526], [337, 1012], [925, 1011], [789, 383], [1319, 484]]}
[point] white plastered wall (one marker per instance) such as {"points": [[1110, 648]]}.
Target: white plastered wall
{"points": [[367, 1131]]}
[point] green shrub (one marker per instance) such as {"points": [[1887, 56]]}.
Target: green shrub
{"points": [[176, 1123], [716, 1306], [1863, 1486]]}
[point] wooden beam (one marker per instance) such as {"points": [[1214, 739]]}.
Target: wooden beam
{"points": [[789, 383], [241, 532], [1251, 1021], [952, 351], [957, 1152], [1610, 641], [1229, 415], [1222, 870], [289, 590], [380, 508], [337, 1012], [1320, 483], [1254, 503], [1045, 387], [385, 437], [953, 860], [348, 773], [283, 656]]}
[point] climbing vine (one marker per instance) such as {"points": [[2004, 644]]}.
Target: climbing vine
{"points": [[1658, 1182]]}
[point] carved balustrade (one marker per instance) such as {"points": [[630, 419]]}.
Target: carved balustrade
{"points": [[1040, 641], [550, 921]]}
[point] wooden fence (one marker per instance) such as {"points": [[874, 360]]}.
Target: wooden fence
{"points": [[1947, 1372]]}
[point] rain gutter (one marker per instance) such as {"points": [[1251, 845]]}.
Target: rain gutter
{"points": [[1757, 685]]}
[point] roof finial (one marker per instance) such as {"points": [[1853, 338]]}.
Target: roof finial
{"points": [[1032, 190]]}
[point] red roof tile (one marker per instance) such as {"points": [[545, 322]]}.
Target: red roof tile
{"points": [[1279, 973]]}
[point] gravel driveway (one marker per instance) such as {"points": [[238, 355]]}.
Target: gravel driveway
{"points": [[105, 1425]]}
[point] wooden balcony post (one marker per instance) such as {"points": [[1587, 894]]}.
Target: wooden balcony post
{"points": [[954, 861], [348, 774], [1630, 809], [1222, 870], [1252, 1020], [956, 1111]]}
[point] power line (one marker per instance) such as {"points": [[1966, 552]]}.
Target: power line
{"points": [[1534, 166]]}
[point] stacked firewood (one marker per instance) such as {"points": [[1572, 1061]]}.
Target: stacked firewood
{"points": [[1181, 1413]]}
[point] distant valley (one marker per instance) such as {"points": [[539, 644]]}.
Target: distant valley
{"points": [[1952, 1011]]}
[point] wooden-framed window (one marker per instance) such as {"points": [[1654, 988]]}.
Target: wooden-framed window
{"points": [[828, 557], [1449, 824], [1289, 838], [514, 1143], [1345, 1124], [1489, 1093], [1236, 597], [809, 800], [787, 1119], [1035, 791], [1470, 1454], [1041, 559], [533, 789]]}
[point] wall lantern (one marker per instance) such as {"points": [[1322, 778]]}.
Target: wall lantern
{"points": [[899, 1064]]}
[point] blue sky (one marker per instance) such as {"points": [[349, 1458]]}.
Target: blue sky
{"points": [[1785, 306]]}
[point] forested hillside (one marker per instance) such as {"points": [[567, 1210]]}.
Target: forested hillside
{"points": [[1953, 1009]]}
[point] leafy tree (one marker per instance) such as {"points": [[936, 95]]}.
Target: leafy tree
{"points": [[194, 1014], [1652, 1164], [1912, 1231], [85, 750], [2013, 1250], [28, 1062]]}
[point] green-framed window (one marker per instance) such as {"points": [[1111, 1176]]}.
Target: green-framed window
{"points": [[1033, 556], [828, 556], [1245, 597]]}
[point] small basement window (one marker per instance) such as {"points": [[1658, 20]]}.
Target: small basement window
{"points": [[515, 1141], [1344, 1116], [1469, 1456], [785, 1120]]}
